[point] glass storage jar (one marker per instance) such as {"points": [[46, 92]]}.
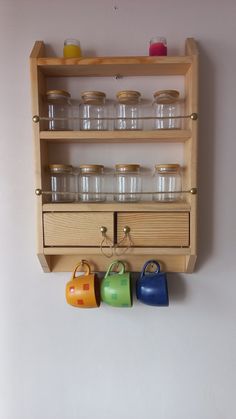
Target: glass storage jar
{"points": [[91, 183], [128, 106], [62, 183], [166, 104], [128, 183], [158, 46], [93, 111], [71, 48], [167, 179], [58, 106]]}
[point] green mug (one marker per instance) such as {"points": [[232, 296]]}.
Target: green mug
{"points": [[116, 286]]}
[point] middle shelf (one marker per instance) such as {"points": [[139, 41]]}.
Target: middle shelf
{"points": [[116, 206], [175, 135]]}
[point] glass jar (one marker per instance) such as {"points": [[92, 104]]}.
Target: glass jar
{"points": [[167, 179], [157, 46], [71, 48], [91, 183], [58, 106], [92, 108], [166, 104], [62, 183], [128, 106], [128, 183]]}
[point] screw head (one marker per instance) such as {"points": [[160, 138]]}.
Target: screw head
{"points": [[38, 192]]}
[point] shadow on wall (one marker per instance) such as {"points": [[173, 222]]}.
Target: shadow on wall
{"points": [[206, 159]]}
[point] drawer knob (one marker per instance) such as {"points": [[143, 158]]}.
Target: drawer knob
{"points": [[126, 230]]}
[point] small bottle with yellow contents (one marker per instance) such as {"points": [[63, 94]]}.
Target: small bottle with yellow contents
{"points": [[71, 48]]}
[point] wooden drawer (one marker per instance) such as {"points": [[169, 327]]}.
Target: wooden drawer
{"points": [[76, 228], [162, 229]]}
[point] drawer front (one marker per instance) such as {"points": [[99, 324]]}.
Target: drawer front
{"points": [[76, 228], [162, 229]]}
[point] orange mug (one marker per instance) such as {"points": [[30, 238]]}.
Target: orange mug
{"points": [[83, 291]]}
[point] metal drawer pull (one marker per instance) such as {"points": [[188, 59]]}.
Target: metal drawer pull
{"points": [[106, 242], [125, 239]]}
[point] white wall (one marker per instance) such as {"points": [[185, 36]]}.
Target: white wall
{"points": [[174, 363]]}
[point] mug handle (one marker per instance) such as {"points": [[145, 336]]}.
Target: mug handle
{"points": [[82, 263], [116, 262], [149, 262]]}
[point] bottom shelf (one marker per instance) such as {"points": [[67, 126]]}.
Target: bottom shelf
{"points": [[181, 261]]}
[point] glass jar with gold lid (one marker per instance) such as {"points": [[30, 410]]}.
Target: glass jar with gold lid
{"points": [[91, 183], [167, 182], [58, 106], [93, 111], [128, 183], [167, 105], [128, 110], [62, 183]]}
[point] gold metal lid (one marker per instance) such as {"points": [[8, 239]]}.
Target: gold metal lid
{"points": [[63, 93], [128, 96], [60, 168], [166, 96], [124, 168], [91, 168], [93, 96], [167, 168]]}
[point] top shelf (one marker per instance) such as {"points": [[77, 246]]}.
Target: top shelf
{"points": [[114, 66]]}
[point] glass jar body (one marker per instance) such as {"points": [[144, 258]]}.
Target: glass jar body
{"points": [[93, 111], [168, 111], [92, 117], [169, 183], [58, 106], [91, 187], [62, 186], [130, 111], [128, 186]]}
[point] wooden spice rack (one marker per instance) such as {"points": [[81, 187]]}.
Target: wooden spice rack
{"points": [[68, 232]]}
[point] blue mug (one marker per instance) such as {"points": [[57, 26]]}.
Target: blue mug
{"points": [[151, 287]]}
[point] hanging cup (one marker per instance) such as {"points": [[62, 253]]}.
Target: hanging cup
{"points": [[151, 287], [83, 291], [116, 287]]}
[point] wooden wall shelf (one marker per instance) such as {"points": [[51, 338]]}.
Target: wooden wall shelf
{"points": [[67, 232]]}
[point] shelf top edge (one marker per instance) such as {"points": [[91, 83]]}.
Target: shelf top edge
{"points": [[117, 207], [114, 60], [112, 136], [114, 66]]}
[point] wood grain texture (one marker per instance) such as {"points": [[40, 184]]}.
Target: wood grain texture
{"points": [[76, 228], [148, 206], [155, 229], [112, 66], [99, 263], [155, 136]]}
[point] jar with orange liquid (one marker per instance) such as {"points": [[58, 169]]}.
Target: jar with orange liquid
{"points": [[71, 48]]}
